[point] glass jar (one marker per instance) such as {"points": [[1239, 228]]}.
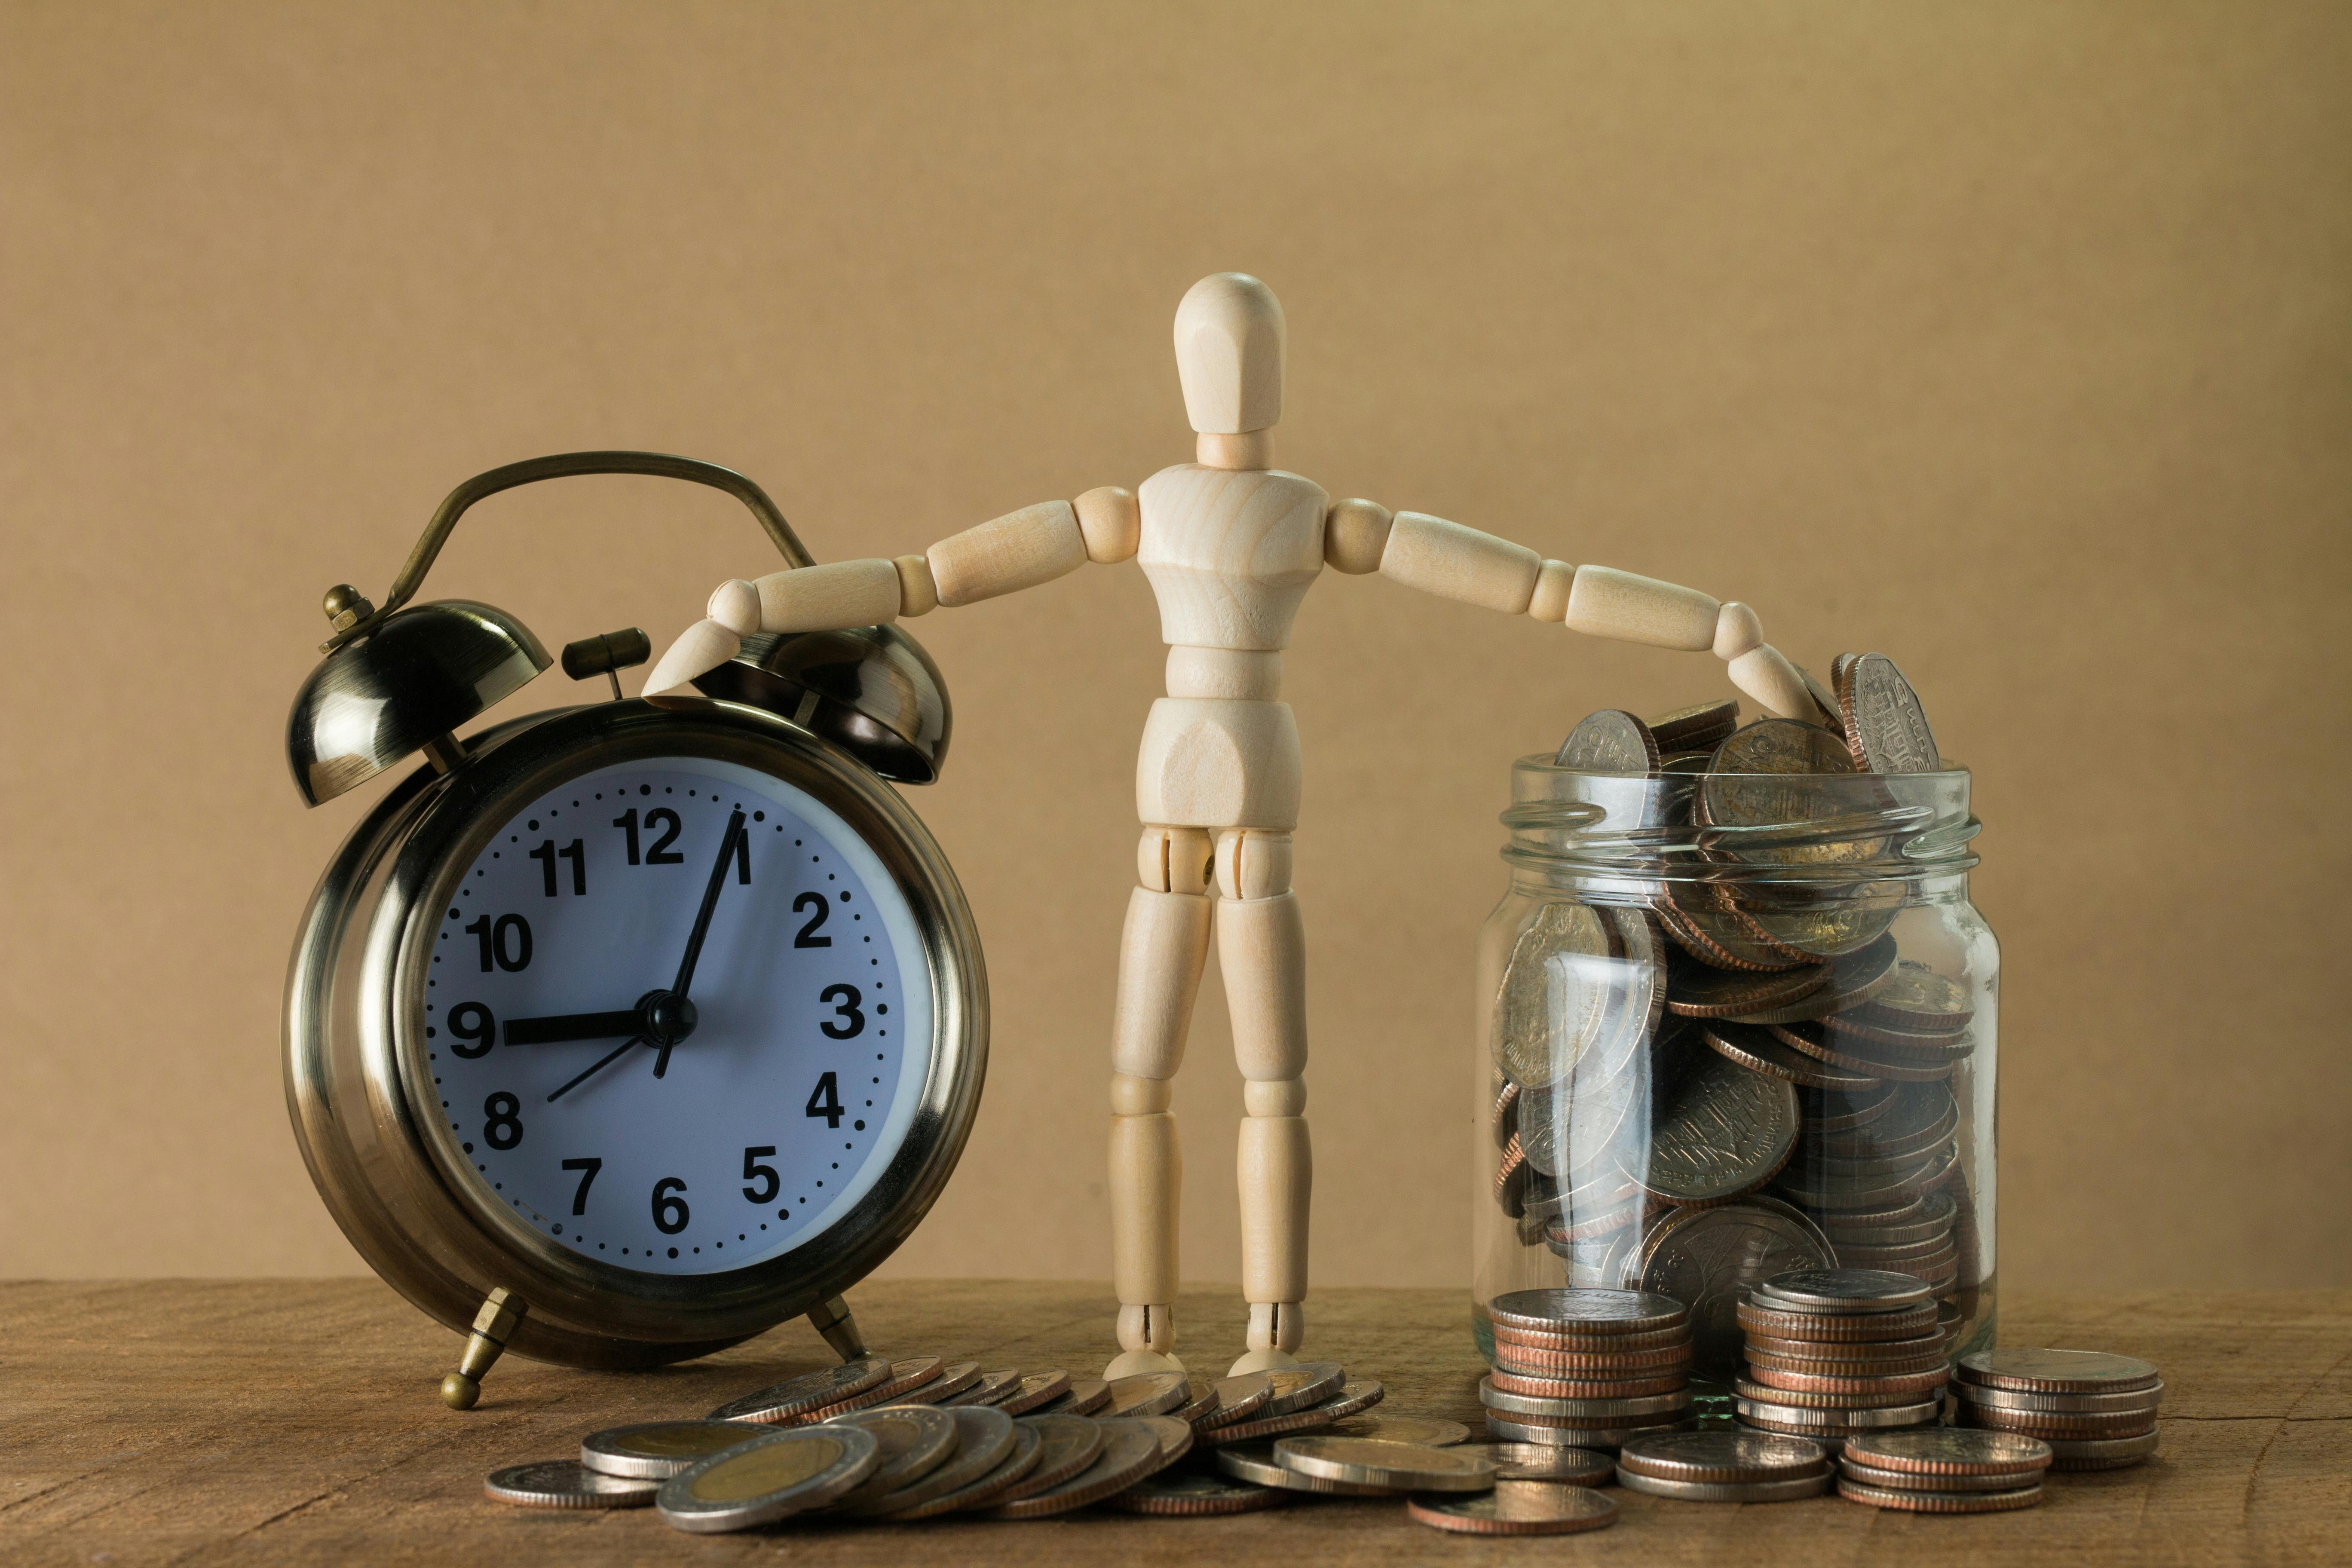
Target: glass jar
{"points": [[1708, 1054]]}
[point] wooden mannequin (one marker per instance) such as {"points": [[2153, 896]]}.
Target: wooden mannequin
{"points": [[1230, 545]]}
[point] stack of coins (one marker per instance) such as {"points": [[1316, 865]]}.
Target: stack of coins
{"points": [[2096, 1411], [1701, 1080], [1943, 1470], [1835, 1353], [1587, 1368], [1723, 1467]]}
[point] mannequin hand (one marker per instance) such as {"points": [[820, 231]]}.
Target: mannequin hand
{"points": [[707, 645]]}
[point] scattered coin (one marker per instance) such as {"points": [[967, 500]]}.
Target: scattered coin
{"points": [[990, 1388], [1027, 1447], [769, 1477], [986, 1438], [1939, 1502], [914, 1440], [1725, 1492], [1548, 1462], [905, 1377], [1191, 1494], [953, 1379], [1725, 1456], [1130, 1451], [1036, 1388], [1071, 1445], [567, 1484], [1084, 1396], [1298, 1387], [1368, 1461], [658, 1450], [1518, 1508], [1427, 1430], [2099, 1453], [1146, 1394], [1255, 1463], [810, 1391], [1901, 1481]]}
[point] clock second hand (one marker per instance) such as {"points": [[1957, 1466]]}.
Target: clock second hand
{"points": [[701, 927], [602, 1062]]}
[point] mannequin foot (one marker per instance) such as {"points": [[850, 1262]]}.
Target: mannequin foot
{"points": [[1128, 1363], [1263, 1361]]}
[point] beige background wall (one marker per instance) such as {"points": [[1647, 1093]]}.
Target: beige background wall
{"points": [[2010, 340]]}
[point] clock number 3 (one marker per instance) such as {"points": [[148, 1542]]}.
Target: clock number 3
{"points": [[847, 1023]]}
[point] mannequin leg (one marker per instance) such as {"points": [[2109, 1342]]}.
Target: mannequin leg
{"points": [[1262, 953], [1160, 957]]}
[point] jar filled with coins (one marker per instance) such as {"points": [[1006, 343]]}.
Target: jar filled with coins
{"points": [[1738, 1016]]}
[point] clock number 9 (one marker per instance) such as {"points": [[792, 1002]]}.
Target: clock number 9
{"points": [[670, 1213], [473, 1024]]}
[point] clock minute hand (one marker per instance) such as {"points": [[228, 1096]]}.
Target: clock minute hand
{"points": [[701, 926], [561, 1028]]}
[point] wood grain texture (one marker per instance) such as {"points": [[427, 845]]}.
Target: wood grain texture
{"points": [[278, 1422]]}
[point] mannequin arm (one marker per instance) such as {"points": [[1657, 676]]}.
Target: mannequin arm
{"points": [[1019, 550], [1458, 562]]}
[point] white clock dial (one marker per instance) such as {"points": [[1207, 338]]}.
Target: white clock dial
{"points": [[674, 1135]]}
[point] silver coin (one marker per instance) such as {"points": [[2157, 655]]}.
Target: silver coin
{"points": [[1146, 1394], [1527, 1429], [1548, 1462], [915, 1440], [2057, 1370], [2099, 1453], [1755, 1046], [906, 1376], [1917, 1501], [1902, 1481], [1354, 1396], [771, 1477], [1847, 1419], [658, 1450], [1826, 711], [1131, 1450], [1570, 1127], [1709, 1256], [810, 1391], [1702, 725], [1255, 1462], [1597, 1312], [1840, 1290], [1191, 1495], [1701, 991], [1038, 1389], [1516, 1508], [1855, 977], [1298, 1387], [1084, 1396], [986, 1438], [1368, 1461], [1883, 717], [2132, 1400], [1720, 1456], [953, 1378], [1610, 741], [1636, 1406], [989, 1388], [1725, 1492], [1951, 1450], [566, 1484], [1072, 1444], [1015, 1467], [1427, 1430], [1723, 1129]]}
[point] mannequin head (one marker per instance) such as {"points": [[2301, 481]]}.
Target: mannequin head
{"points": [[1229, 337]]}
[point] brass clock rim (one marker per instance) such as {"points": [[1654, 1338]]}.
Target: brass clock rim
{"points": [[422, 1228]]}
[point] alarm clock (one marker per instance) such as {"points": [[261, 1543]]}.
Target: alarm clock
{"points": [[618, 1033]]}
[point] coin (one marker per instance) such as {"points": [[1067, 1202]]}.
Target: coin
{"points": [[953, 1379], [1855, 976], [1862, 1355], [1518, 1508], [1900, 1481], [991, 1387], [1951, 1451], [1255, 1463], [1083, 1396], [1919, 1000], [1533, 1429], [1720, 1456], [915, 1440], [1038, 1388], [1700, 990], [657, 1450], [1939, 1502], [1511, 1393], [1027, 1448], [1725, 1492], [1668, 1380], [1714, 937], [2008, 1399], [1558, 993], [1850, 1419], [1825, 702], [1297, 1387], [1753, 1045], [1591, 1365], [1069, 1444], [1887, 727], [1586, 1311], [1357, 1395], [1568, 1127], [1703, 725], [2047, 1424], [1764, 1395], [1918, 1117], [1146, 1394], [1831, 1111], [905, 1377], [769, 1477], [1236, 1397], [1723, 1129], [1708, 1256], [1191, 1494], [1427, 1430], [1840, 1290], [1548, 1462], [810, 1391], [2057, 1370], [986, 1438], [1610, 741], [2099, 1453], [567, 1484], [1878, 1327], [1568, 1337], [1877, 1382], [1131, 1450], [1368, 1461]]}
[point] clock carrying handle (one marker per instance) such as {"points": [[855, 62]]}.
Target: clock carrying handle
{"points": [[563, 465]]}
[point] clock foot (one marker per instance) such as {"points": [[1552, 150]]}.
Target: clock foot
{"points": [[501, 1310], [833, 1320]]}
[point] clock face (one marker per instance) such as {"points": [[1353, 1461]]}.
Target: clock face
{"points": [[678, 1016]]}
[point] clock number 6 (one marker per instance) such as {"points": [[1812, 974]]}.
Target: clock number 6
{"points": [[847, 1023], [670, 1213], [770, 1183]]}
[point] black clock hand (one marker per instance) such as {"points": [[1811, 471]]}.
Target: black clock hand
{"points": [[602, 1062], [562, 1027], [701, 927]]}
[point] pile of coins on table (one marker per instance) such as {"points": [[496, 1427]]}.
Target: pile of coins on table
{"points": [[1466, 1489], [1835, 1353], [1943, 1470], [1723, 1467], [2095, 1411], [1587, 1368], [1717, 1061]]}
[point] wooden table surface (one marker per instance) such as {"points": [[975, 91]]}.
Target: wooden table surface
{"points": [[265, 1422]]}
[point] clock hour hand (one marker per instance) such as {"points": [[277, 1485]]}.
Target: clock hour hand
{"points": [[701, 929], [562, 1027]]}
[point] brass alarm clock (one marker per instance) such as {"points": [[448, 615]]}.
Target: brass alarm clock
{"points": [[619, 1033]]}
